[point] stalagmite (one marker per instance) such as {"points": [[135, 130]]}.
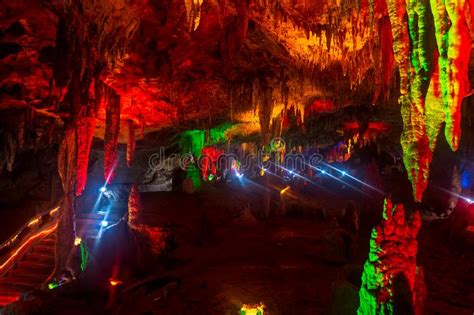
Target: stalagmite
{"points": [[391, 272], [112, 128]]}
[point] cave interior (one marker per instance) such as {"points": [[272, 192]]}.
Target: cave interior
{"points": [[252, 157]]}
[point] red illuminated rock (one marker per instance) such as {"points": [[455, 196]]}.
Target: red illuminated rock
{"points": [[392, 283], [84, 133], [154, 236], [112, 128]]}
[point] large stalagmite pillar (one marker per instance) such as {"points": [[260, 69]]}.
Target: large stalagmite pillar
{"points": [[67, 170], [392, 282], [84, 134]]}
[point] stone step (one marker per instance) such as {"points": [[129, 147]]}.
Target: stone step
{"points": [[30, 271], [44, 248], [39, 257], [19, 284], [33, 265], [4, 290], [35, 278], [8, 298]]}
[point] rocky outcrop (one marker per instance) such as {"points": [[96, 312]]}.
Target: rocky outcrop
{"points": [[392, 282], [155, 237]]}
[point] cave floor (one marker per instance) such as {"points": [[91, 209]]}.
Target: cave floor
{"points": [[223, 258], [224, 262]]}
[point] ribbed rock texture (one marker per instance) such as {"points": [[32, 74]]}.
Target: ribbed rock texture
{"points": [[392, 283], [432, 46]]}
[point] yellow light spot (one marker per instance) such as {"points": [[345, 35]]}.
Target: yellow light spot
{"points": [[33, 222], [284, 190], [255, 309], [53, 211], [114, 282], [77, 241]]}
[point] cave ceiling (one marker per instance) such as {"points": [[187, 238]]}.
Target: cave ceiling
{"points": [[174, 61], [118, 69]]}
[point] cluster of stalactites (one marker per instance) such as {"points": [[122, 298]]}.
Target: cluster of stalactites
{"points": [[350, 34], [391, 272], [96, 33], [105, 25], [273, 100], [432, 46]]}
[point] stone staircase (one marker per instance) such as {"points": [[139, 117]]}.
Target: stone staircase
{"points": [[36, 262], [30, 272]]}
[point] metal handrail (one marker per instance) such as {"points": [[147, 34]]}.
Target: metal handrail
{"points": [[34, 228]]}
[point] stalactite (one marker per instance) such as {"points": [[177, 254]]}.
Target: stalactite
{"points": [[235, 34], [10, 148], [67, 156], [414, 139], [401, 41], [84, 133], [112, 129], [134, 207], [391, 262], [454, 44], [425, 66], [130, 142], [90, 36], [434, 108], [388, 59], [417, 155], [265, 112], [193, 13], [344, 38], [433, 68]]}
